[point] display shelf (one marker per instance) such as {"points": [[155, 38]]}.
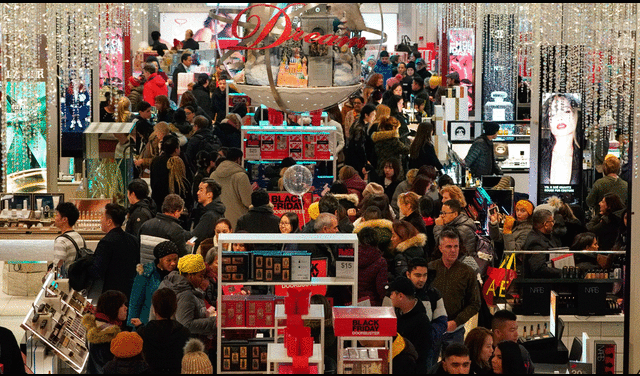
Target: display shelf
{"points": [[316, 312], [276, 354], [350, 239], [565, 280]]}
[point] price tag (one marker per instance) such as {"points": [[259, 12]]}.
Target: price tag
{"points": [[344, 269]]}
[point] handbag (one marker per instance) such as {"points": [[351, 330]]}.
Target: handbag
{"points": [[499, 279]]}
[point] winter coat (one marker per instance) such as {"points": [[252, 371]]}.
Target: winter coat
{"points": [[407, 250], [166, 115], [139, 213], [160, 181], [606, 228], [388, 146], [516, 239], [480, 159], [115, 260], [191, 311], [207, 223], [467, 230], [260, 220], [356, 185], [427, 156], [203, 98], [202, 139], [436, 313], [384, 228], [355, 152], [127, 366], [415, 326], [154, 86], [236, 189], [228, 135], [535, 266], [372, 274], [135, 96], [162, 345], [99, 336], [418, 222], [144, 285], [159, 229], [567, 229]]}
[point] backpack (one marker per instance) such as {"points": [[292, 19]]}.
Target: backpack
{"points": [[485, 254], [78, 271]]}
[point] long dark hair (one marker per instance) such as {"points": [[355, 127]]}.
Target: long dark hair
{"points": [[512, 362], [614, 203], [582, 241], [393, 105], [423, 135], [293, 220], [366, 110], [549, 140]]}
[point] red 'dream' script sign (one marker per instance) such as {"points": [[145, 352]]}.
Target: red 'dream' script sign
{"points": [[288, 32]]}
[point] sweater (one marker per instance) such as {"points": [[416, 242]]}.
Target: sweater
{"points": [[606, 185], [459, 288]]}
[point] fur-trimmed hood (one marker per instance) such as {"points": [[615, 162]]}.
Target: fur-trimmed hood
{"points": [[384, 135], [383, 223], [417, 241], [351, 197], [103, 334]]}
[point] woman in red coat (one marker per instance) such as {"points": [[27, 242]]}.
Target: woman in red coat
{"points": [[154, 84], [372, 268]]}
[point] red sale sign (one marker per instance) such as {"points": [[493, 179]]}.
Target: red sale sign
{"points": [[286, 202]]}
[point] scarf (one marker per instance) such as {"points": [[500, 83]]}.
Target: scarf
{"points": [[102, 317]]}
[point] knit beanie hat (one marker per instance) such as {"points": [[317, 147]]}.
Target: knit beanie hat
{"points": [[411, 65], [372, 189], [435, 80], [126, 345], [391, 81], [191, 264], [195, 361], [313, 210], [165, 249], [526, 205], [491, 128]]}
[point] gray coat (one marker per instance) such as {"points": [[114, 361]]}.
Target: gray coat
{"points": [[191, 311], [467, 230], [515, 240], [236, 190]]}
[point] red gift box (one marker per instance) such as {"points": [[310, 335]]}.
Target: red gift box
{"points": [[233, 310], [364, 321]]}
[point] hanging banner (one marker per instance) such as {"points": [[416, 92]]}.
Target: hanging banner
{"points": [[461, 59]]}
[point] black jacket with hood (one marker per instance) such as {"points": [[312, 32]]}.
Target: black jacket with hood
{"points": [[139, 213], [163, 341]]}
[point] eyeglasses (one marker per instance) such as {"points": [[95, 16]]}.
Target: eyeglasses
{"points": [[445, 213]]}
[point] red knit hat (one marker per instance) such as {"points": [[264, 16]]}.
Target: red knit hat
{"points": [[126, 345]]}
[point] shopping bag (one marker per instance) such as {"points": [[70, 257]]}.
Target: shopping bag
{"points": [[499, 279]]}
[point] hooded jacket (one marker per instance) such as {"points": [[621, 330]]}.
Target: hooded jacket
{"points": [[99, 336], [384, 228], [139, 213], [515, 240], [159, 229], [206, 225], [145, 284], [154, 86], [236, 190], [228, 134], [372, 274], [162, 345], [259, 220], [388, 145], [355, 185], [191, 311], [407, 250], [467, 230]]}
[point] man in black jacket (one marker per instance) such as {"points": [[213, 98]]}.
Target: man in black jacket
{"points": [[480, 159], [413, 323], [209, 197], [260, 218], [541, 238], [417, 88], [183, 67], [165, 226], [189, 42], [202, 139], [141, 209], [202, 94], [117, 253]]}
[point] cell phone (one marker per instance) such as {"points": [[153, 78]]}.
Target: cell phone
{"points": [[493, 210]]}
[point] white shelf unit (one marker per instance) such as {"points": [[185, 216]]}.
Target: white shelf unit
{"points": [[354, 344], [316, 312], [350, 239], [278, 354]]}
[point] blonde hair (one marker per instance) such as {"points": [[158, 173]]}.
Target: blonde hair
{"points": [[455, 193], [177, 175], [409, 198], [411, 174], [161, 127], [382, 111], [123, 109]]}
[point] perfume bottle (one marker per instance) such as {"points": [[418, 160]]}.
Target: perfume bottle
{"points": [[498, 109]]}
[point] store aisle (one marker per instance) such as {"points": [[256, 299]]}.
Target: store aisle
{"points": [[13, 309]]}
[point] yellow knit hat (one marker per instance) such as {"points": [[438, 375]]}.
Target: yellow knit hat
{"points": [[435, 80], [126, 345], [191, 264], [313, 210]]}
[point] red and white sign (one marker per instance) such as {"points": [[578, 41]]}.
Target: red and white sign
{"points": [[364, 322], [286, 202]]}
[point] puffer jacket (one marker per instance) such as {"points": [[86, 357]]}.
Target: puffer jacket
{"points": [[236, 190], [99, 336], [407, 250], [388, 145], [191, 311], [159, 229], [515, 240], [139, 213], [480, 159], [135, 96], [384, 228], [154, 86], [144, 285], [207, 223], [372, 274], [467, 230]]}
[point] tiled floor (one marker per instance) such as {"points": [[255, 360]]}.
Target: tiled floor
{"points": [[13, 309]]}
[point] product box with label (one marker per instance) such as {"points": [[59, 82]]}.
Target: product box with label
{"points": [[252, 147], [295, 146], [235, 266], [277, 266], [233, 310], [260, 311], [605, 357], [323, 147], [309, 142]]}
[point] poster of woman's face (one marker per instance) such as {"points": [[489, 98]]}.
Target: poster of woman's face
{"points": [[560, 139]]}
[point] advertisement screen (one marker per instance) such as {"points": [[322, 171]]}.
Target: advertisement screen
{"points": [[462, 46]]}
